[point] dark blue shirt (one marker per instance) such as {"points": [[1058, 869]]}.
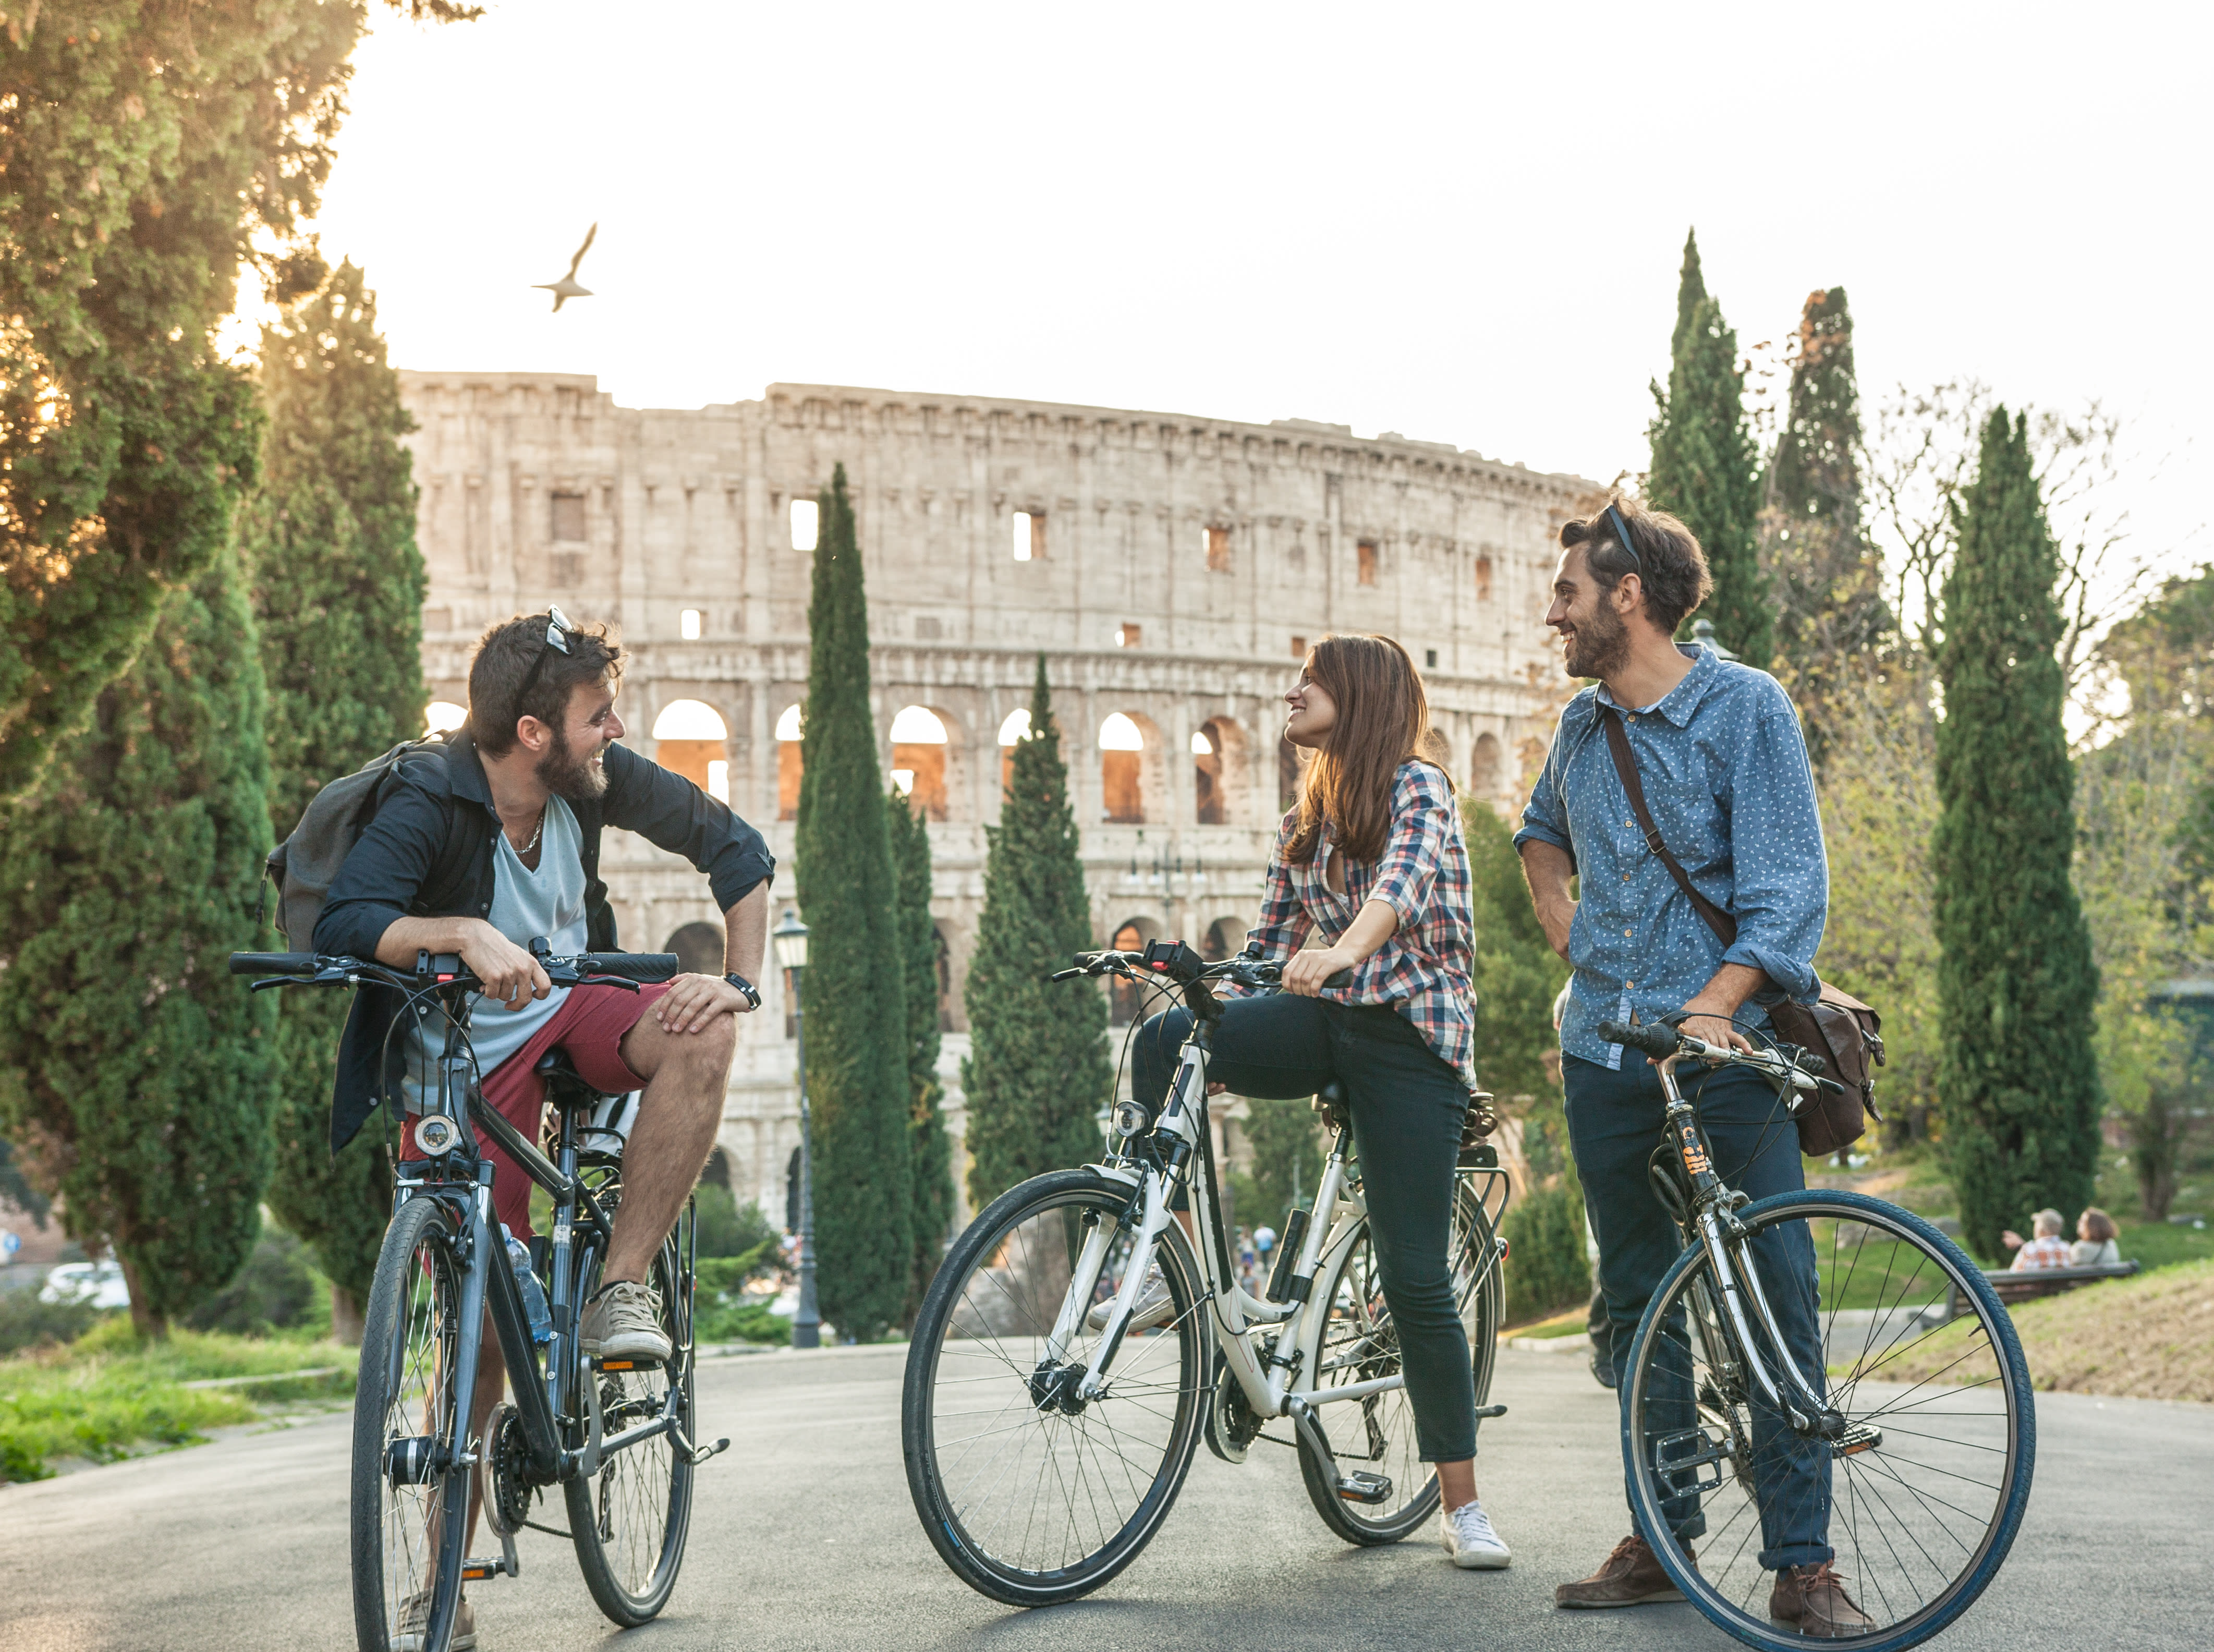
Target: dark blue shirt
{"points": [[1723, 765]]}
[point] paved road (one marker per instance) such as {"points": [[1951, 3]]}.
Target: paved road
{"points": [[804, 1538]]}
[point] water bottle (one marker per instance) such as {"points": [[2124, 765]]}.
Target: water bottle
{"points": [[534, 1293]]}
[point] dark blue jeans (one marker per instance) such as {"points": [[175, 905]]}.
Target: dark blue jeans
{"points": [[1408, 1108], [1614, 1124]]}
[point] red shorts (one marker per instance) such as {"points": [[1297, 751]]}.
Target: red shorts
{"points": [[589, 1025]]}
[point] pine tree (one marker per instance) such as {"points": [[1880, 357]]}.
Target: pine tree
{"points": [[1037, 1069], [930, 1154], [329, 538], [139, 1069], [150, 151], [1517, 972], [2017, 1078], [1706, 467], [856, 1004], [1828, 576]]}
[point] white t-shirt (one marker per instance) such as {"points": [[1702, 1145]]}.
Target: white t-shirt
{"points": [[525, 904]]}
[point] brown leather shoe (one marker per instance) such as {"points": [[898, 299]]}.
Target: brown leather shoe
{"points": [[1813, 1599], [1630, 1577]]}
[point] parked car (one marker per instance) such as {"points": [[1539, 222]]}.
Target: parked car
{"points": [[101, 1284]]}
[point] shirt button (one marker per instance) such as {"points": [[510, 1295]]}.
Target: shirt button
{"points": [[1630, 985], [1625, 934]]}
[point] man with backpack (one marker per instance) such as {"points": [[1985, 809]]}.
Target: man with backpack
{"points": [[481, 846], [1678, 794]]}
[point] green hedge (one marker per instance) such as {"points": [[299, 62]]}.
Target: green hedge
{"points": [[1546, 1266]]}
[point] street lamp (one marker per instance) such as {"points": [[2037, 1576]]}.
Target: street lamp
{"points": [[789, 938]]}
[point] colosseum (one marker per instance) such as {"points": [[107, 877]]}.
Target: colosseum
{"points": [[1172, 570]]}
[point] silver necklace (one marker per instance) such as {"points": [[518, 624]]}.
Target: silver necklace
{"points": [[536, 832]]}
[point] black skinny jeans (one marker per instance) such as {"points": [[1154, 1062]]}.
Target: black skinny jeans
{"points": [[1407, 1109]]}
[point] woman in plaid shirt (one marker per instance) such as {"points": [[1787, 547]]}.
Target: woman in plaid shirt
{"points": [[1370, 875]]}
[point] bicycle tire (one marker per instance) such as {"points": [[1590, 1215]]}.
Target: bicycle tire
{"points": [[409, 1537], [1976, 1354], [975, 1346], [1472, 1253], [629, 1521]]}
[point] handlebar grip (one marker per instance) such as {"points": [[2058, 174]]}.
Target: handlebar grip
{"points": [[1342, 978], [1662, 1042], [272, 964], [631, 966]]}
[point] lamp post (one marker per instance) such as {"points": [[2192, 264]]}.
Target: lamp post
{"points": [[789, 938]]}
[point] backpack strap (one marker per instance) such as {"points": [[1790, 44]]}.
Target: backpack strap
{"points": [[1625, 767]]}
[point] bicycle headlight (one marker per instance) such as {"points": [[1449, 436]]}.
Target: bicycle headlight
{"points": [[435, 1134], [1131, 1119]]}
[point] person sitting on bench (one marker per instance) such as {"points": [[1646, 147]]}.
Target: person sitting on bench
{"points": [[2047, 1250]]}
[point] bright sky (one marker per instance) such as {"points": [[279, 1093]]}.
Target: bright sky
{"points": [[1458, 222]]}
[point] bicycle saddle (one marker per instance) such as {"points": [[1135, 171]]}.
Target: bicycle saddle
{"points": [[565, 1086], [1330, 1101]]}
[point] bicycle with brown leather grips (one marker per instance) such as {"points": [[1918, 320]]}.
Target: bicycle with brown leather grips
{"points": [[1076, 1345], [615, 1435], [1906, 1427]]}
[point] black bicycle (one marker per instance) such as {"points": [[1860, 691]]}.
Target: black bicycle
{"points": [[615, 1434], [1905, 1424]]}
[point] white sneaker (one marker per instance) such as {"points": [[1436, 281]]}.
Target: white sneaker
{"points": [[1470, 1542], [623, 1322], [1150, 1311]]}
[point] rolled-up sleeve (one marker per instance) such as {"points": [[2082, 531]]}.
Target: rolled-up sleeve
{"points": [[672, 813], [1421, 823], [377, 883], [1544, 818], [1781, 893]]}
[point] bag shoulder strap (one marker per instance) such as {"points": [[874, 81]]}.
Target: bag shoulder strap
{"points": [[1625, 766]]}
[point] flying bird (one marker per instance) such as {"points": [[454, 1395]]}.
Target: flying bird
{"points": [[566, 288]]}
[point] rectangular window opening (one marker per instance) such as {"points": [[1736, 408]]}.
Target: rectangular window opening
{"points": [[688, 624], [1483, 578], [1127, 635], [805, 521], [1028, 535], [1365, 555], [1430, 657], [1298, 648], [568, 524], [1218, 550]]}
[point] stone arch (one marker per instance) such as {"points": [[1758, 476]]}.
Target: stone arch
{"points": [[789, 727], [1124, 999], [1291, 765], [1220, 772], [927, 749], [699, 945], [689, 739], [1483, 768], [1132, 772], [1225, 936]]}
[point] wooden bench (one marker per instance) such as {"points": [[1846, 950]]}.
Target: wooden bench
{"points": [[2021, 1286]]}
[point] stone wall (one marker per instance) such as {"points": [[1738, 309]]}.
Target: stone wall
{"points": [[1173, 569]]}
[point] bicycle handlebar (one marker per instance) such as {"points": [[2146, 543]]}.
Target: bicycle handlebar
{"points": [[1239, 971], [274, 963], [1658, 1042], [318, 969], [1661, 1042]]}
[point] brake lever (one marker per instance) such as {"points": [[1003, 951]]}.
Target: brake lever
{"points": [[1067, 975]]}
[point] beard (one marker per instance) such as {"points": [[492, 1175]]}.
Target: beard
{"points": [[1600, 644], [568, 773]]}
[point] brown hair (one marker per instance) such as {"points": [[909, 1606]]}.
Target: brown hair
{"points": [[1670, 566], [2099, 1226], [502, 663], [1383, 719]]}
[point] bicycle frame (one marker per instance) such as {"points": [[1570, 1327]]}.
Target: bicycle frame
{"points": [[1713, 1221]]}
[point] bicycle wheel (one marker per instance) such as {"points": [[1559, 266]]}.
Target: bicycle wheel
{"points": [[1920, 1495], [629, 1520], [411, 1502], [1031, 1494], [1375, 1436]]}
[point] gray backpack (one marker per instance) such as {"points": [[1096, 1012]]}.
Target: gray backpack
{"points": [[305, 864]]}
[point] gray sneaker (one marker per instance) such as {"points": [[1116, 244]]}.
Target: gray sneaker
{"points": [[1152, 1309], [623, 1322], [415, 1618]]}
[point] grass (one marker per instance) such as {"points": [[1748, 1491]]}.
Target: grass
{"points": [[1561, 1325], [2149, 1337], [107, 1395]]}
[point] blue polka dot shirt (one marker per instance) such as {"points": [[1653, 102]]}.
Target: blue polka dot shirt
{"points": [[1724, 770]]}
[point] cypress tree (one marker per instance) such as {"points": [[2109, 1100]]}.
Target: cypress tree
{"points": [[329, 537], [1706, 467], [930, 1154], [150, 151], [856, 1004], [2017, 1079], [1829, 579], [1038, 1068], [1516, 972], [138, 1068]]}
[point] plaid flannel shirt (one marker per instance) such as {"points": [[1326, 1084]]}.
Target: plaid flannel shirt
{"points": [[1422, 970], [2047, 1251]]}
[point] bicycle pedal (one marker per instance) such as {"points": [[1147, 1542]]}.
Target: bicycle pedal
{"points": [[1861, 1437], [701, 1453], [1491, 1411], [1361, 1486], [479, 1571]]}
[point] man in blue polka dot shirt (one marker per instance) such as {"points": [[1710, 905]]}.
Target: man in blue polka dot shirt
{"points": [[1723, 767]]}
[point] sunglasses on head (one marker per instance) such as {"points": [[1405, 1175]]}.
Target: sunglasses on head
{"points": [[558, 633], [1622, 538]]}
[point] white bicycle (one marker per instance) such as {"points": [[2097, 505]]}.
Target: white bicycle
{"points": [[1052, 1409]]}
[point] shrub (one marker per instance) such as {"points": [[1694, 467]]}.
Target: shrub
{"points": [[1546, 1266], [728, 1227], [26, 1322], [274, 1291]]}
